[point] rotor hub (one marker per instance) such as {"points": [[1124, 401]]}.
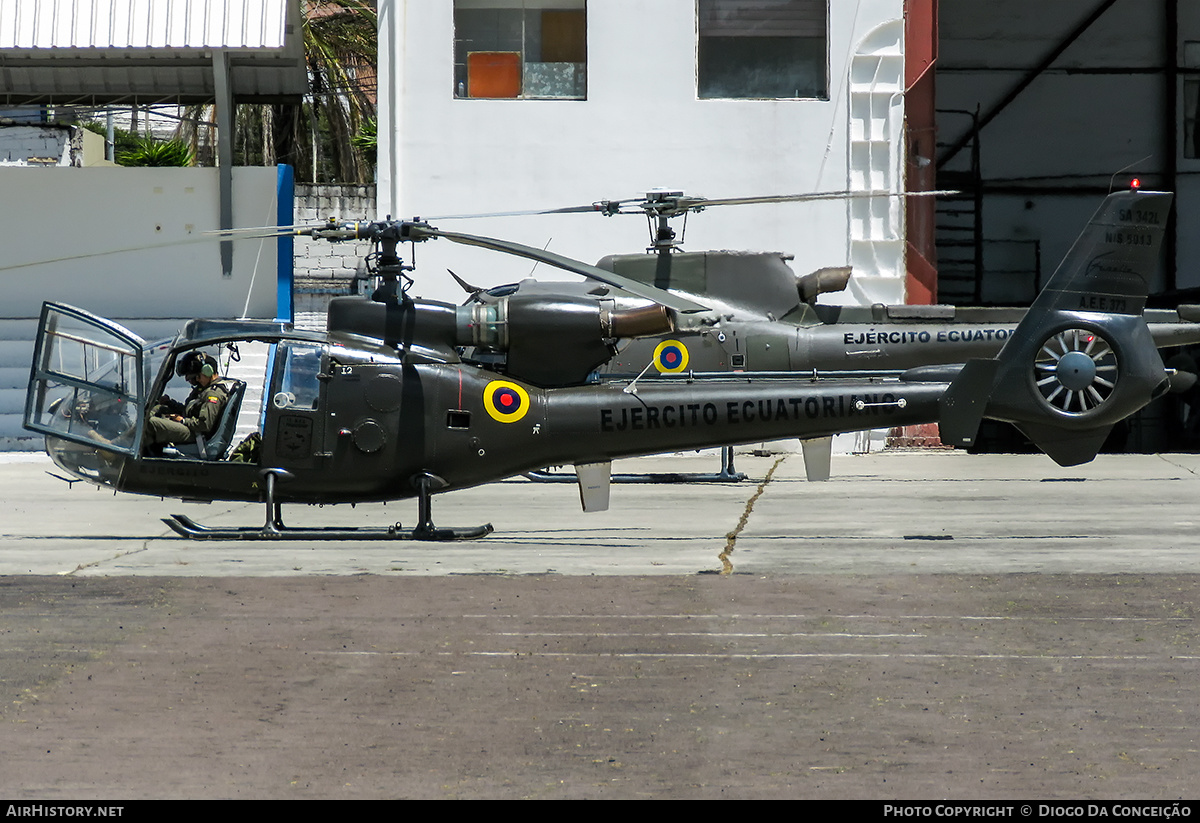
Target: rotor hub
{"points": [[1076, 370]]}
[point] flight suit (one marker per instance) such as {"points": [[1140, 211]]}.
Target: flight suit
{"points": [[201, 413]]}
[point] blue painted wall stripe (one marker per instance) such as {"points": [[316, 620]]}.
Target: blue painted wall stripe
{"points": [[285, 193]]}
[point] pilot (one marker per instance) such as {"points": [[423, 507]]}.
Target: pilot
{"points": [[173, 422]]}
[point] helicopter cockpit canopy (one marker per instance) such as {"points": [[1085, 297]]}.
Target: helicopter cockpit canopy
{"points": [[88, 383], [92, 382]]}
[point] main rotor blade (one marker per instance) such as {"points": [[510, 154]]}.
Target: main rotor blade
{"points": [[674, 204], [250, 232], [206, 236], [666, 298], [809, 196], [590, 207], [203, 237]]}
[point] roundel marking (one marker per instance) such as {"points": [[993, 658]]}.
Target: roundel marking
{"points": [[506, 402], [670, 356]]}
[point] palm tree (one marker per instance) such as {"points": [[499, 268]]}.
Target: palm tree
{"points": [[340, 39], [316, 136]]}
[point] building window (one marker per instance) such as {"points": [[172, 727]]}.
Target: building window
{"points": [[1191, 101], [1191, 108], [520, 49], [762, 49]]}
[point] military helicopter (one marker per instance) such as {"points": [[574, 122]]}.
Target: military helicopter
{"points": [[403, 397], [763, 317]]}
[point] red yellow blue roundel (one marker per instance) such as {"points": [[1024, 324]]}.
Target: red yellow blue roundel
{"points": [[670, 356], [506, 402]]}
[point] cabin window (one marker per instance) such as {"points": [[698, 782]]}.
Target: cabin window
{"points": [[299, 387], [520, 49], [762, 49]]}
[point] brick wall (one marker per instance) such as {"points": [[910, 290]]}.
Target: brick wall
{"points": [[325, 269], [321, 260], [35, 145]]}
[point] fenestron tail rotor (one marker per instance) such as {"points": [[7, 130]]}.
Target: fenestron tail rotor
{"points": [[1076, 371]]}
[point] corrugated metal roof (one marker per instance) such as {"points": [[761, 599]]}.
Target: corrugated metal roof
{"points": [[70, 51], [132, 24]]}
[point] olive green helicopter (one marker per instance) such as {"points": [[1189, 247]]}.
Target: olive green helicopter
{"points": [[764, 317], [402, 397]]}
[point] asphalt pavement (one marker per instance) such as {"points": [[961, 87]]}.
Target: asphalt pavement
{"points": [[923, 625]]}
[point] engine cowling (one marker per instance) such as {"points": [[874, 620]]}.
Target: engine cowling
{"points": [[554, 340], [546, 340]]}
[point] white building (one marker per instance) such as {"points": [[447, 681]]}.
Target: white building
{"points": [[499, 105]]}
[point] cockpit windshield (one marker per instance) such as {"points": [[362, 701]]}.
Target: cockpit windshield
{"points": [[87, 381]]}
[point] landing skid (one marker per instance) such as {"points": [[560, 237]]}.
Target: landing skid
{"points": [[184, 526], [274, 528], [727, 474]]}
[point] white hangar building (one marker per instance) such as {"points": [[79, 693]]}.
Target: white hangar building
{"points": [[499, 105], [1032, 110]]}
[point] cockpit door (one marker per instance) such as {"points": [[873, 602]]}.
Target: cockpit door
{"points": [[292, 433], [87, 383]]}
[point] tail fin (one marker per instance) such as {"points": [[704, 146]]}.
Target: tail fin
{"points": [[1082, 358]]}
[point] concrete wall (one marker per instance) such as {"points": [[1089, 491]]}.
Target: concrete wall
{"points": [[314, 204], [58, 227], [41, 145], [130, 243], [641, 126]]}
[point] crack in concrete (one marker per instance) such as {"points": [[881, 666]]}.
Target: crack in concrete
{"points": [[731, 538], [1170, 462], [95, 564]]}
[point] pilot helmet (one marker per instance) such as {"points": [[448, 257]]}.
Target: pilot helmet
{"points": [[196, 362]]}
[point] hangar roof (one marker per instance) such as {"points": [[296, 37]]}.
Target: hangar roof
{"points": [[149, 51]]}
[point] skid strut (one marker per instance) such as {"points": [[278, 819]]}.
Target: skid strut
{"points": [[274, 528]]}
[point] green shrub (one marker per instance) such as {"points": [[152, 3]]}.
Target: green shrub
{"points": [[151, 152]]}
